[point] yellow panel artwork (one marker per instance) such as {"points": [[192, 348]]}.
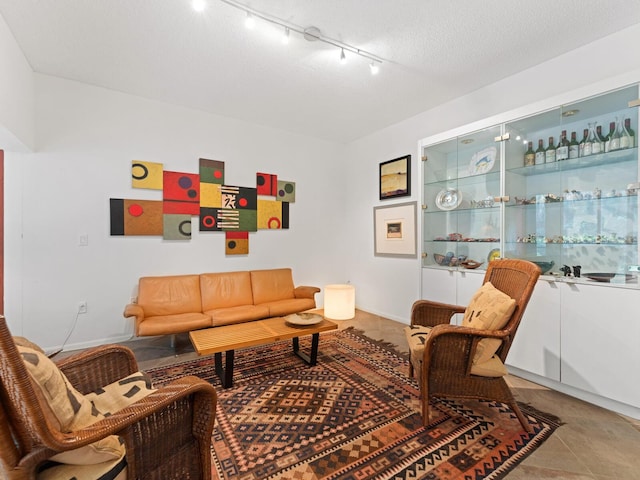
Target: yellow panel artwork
{"points": [[210, 195], [269, 214], [146, 175]]}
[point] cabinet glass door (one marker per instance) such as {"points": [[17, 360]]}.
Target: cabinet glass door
{"points": [[575, 213], [461, 209]]}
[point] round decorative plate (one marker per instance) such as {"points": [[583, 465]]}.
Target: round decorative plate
{"points": [[482, 161], [303, 318], [448, 199], [493, 254]]}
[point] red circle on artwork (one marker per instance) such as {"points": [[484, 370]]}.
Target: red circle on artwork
{"points": [[208, 221], [243, 202], [217, 174], [135, 210], [275, 220]]}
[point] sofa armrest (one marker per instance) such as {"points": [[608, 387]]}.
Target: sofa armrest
{"points": [[305, 292], [134, 310]]}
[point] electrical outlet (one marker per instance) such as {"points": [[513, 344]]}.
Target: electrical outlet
{"points": [[82, 306]]}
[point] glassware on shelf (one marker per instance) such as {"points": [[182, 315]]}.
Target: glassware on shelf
{"points": [[607, 140]]}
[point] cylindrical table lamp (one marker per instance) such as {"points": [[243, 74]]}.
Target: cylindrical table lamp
{"points": [[339, 302]]}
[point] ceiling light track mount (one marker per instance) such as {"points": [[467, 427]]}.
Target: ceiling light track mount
{"points": [[311, 34]]}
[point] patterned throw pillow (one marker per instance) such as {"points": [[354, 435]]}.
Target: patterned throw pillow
{"points": [[489, 309], [75, 411]]}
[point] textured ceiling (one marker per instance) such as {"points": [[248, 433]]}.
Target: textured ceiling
{"points": [[433, 51]]}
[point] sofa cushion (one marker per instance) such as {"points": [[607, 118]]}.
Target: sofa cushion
{"points": [[489, 309], [280, 308], [270, 285], [169, 295], [224, 290], [170, 324], [244, 313]]}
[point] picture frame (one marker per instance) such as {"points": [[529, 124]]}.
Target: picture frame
{"points": [[395, 230], [395, 178]]}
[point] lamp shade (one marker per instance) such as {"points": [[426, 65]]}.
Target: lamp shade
{"points": [[339, 302]]}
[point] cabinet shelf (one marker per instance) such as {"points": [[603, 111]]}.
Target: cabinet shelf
{"points": [[601, 159], [466, 180]]}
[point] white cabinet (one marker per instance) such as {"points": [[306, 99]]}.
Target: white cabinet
{"points": [[600, 333], [536, 347]]}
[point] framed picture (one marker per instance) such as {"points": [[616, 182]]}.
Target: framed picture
{"points": [[395, 178], [395, 230]]}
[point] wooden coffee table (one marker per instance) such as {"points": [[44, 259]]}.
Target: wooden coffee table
{"points": [[229, 338]]}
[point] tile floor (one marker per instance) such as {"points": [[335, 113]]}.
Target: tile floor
{"points": [[592, 444]]}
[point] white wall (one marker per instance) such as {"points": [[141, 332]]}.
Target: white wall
{"points": [[16, 95], [86, 140], [388, 286]]}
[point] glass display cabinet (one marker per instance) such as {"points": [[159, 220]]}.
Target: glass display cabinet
{"points": [[576, 214], [559, 188], [461, 210]]}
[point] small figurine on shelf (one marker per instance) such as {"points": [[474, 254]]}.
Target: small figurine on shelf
{"points": [[566, 270], [576, 270]]}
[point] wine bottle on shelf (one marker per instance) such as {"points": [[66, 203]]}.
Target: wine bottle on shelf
{"points": [[529, 156], [562, 150], [540, 153], [625, 137], [632, 134], [600, 138], [614, 142], [607, 140], [550, 152], [574, 146], [595, 141], [588, 142]]}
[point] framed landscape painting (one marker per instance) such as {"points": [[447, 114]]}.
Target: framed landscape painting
{"points": [[395, 178]]}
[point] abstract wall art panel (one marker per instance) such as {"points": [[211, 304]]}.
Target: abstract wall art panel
{"points": [[209, 220], [210, 195], [286, 191], [273, 215], [181, 193], [146, 175], [267, 184], [176, 227], [136, 217], [236, 243], [231, 209], [239, 197], [211, 171]]}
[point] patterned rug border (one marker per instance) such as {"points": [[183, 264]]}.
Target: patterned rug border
{"points": [[548, 423]]}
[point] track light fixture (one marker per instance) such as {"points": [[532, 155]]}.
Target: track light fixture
{"points": [[309, 33], [286, 36], [343, 58], [250, 22]]}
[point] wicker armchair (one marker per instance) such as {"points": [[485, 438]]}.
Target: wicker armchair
{"points": [[167, 434], [449, 350]]}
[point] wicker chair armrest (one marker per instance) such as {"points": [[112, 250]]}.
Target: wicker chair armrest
{"points": [[305, 292], [430, 314], [92, 369], [182, 408], [454, 346]]}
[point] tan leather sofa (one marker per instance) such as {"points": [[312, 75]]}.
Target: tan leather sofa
{"points": [[181, 303]]}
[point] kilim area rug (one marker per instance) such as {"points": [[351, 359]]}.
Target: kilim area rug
{"points": [[355, 415]]}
